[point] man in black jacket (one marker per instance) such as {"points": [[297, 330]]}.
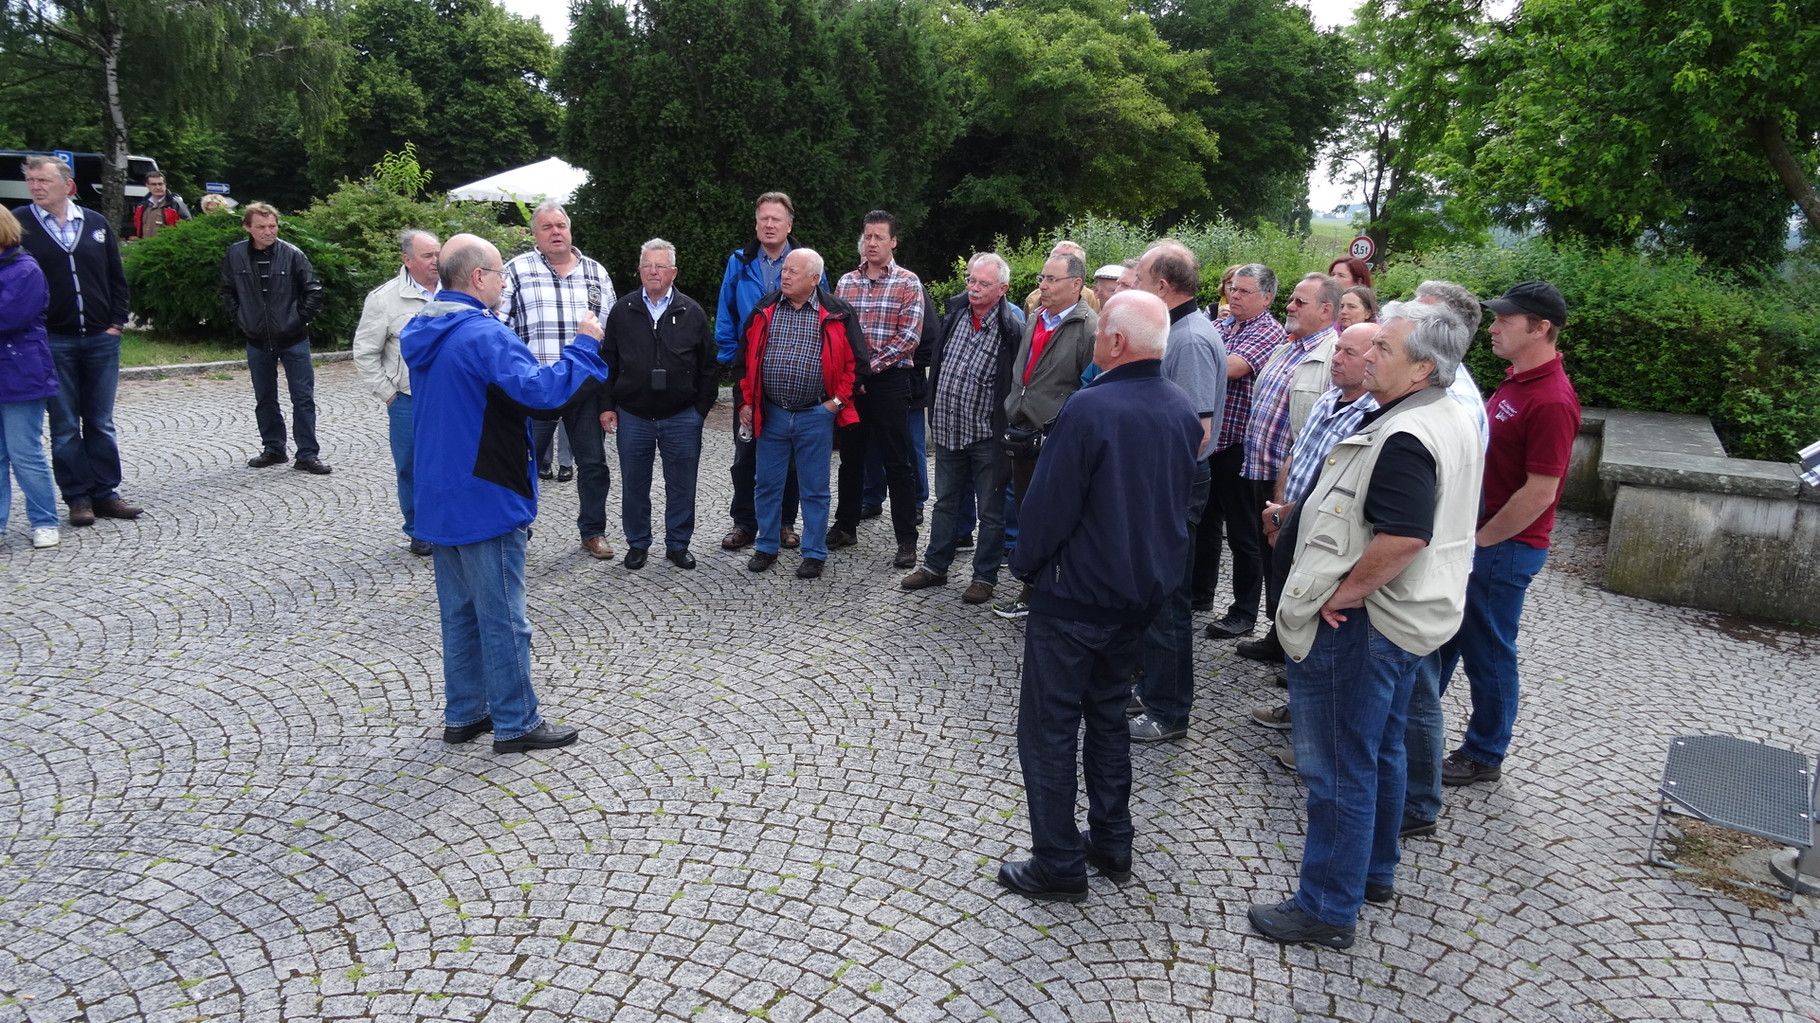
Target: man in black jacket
{"points": [[80, 255], [969, 377], [1102, 543], [272, 292], [659, 347]]}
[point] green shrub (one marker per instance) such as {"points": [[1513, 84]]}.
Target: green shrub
{"points": [[364, 218], [1659, 332], [175, 279]]}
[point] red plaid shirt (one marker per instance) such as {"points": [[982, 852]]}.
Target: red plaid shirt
{"points": [[890, 312], [1252, 341]]}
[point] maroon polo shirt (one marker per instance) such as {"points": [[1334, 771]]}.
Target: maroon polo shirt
{"points": [[1534, 419]]}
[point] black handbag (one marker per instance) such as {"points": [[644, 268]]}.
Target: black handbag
{"points": [[1018, 442]]}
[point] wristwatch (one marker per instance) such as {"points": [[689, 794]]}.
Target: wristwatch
{"points": [[838, 404]]}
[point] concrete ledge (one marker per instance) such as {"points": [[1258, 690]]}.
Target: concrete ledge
{"points": [[191, 369], [1690, 526]]}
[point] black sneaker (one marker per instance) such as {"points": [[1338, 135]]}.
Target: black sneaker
{"points": [[1460, 769], [760, 561], [1288, 924], [811, 568], [545, 736], [1232, 626]]}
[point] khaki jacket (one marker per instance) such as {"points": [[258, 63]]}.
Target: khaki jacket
{"points": [[388, 308]]}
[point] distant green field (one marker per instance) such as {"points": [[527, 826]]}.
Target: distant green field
{"points": [[1330, 236], [143, 348]]}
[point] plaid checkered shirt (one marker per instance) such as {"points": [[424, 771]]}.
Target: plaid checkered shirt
{"points": [[1329, 423], [1252, 341], [792, 371], [1267, 435], [890, 312], [961, 413], [545, 309]]}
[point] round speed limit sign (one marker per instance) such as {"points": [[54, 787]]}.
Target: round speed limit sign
{"points": [[1362, 248]]}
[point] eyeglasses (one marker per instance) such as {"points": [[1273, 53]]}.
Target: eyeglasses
{"points": [[642, 267], [490, 270], [1052, 279], [975, 282]]}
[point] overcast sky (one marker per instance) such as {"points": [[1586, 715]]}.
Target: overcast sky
{"points": [[554, 14]]}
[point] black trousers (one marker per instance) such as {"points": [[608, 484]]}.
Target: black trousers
{"points": [[884, 421], [1234, 505]]}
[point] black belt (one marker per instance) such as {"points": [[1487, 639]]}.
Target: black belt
{"points": [[799, 408]]}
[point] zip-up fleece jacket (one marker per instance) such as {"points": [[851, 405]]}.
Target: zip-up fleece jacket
{"points": [[1422, 606], [1102, 537], [741, 288], [960, 312], [843, 353], [678, 343], [280, 317], [93, 268], [1058, 372], [475, 385]]}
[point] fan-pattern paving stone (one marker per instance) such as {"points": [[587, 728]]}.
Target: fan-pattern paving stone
{"points": [[222, 794]]}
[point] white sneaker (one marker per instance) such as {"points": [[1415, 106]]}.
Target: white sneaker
{"points": [[45, 536]]}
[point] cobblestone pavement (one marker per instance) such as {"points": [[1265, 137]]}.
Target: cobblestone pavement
{"points": [[224, 797]]}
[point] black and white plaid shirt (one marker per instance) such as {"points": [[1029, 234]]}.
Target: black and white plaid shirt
{"points": [[546, 309]]}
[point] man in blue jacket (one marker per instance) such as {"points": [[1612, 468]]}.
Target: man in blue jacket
{"points": [[752, 273], [1102, 543], [474, 384]]}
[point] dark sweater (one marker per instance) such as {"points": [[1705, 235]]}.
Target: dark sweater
{"points": [[681, 343], [1102, 536], [93, 269]]}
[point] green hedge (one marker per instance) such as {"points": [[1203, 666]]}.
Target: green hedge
{"points": [[175, 278], [1660, 332]]}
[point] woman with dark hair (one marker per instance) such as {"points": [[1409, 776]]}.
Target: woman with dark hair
{"points": [[1358, 305], [1350, 271]]}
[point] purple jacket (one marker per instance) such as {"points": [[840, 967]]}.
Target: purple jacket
{"points": [[26, 373]]}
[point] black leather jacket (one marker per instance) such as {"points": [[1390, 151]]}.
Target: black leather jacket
{"points": [[277, 319]]}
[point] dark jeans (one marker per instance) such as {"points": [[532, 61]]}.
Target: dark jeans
{"points": [[983, 467], [399, 418], [883, 423], [1487, 644], [743, 511], [593, 479], [640, 441], [84, 454], [1075, 672], [919, 465], [1167, 684], [1234, 504], [300, 379]]}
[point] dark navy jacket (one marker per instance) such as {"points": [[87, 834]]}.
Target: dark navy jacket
{"points": [[1102, 537]]}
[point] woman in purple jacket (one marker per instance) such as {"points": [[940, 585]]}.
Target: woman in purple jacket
{"points": [[27, 379]]}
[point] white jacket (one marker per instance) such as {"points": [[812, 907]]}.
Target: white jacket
{"points": [[387, 309]]}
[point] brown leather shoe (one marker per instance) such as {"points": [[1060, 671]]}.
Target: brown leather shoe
{"points": [[977, 592], [598, 547], [737, 539], [791, 539], [115, 508], [82, 513]]}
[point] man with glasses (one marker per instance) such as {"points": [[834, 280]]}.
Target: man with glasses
{"points": [[473, 384], [659, 350], [547, 292], [1057, 347], [969, 378], [1251, 334]]}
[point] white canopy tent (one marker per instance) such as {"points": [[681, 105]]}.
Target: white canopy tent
{"points": [[534, 182]]}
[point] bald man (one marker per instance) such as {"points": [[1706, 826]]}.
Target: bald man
{"points": [[1103, 544]]}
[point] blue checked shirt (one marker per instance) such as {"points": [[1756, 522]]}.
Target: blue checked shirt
{"points": [[1267, 433], [793, 355], [545, 309], [1329, 423]]}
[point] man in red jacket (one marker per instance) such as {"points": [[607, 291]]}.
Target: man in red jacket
{"points": [[802, 349]]}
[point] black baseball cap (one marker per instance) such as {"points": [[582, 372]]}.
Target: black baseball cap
{"points": [[1537, 298]]}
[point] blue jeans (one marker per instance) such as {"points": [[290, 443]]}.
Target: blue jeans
{"points": [[300, 379], [1075, 672], [743, 508], [593, 478], [983, 467], [640, 440], [803, 441], [1349, 698], [398, 418], [919, 445], [22, 454], [1424, 737], [84, 452], [1167, 684], [1487, 643], [486, 639]]}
